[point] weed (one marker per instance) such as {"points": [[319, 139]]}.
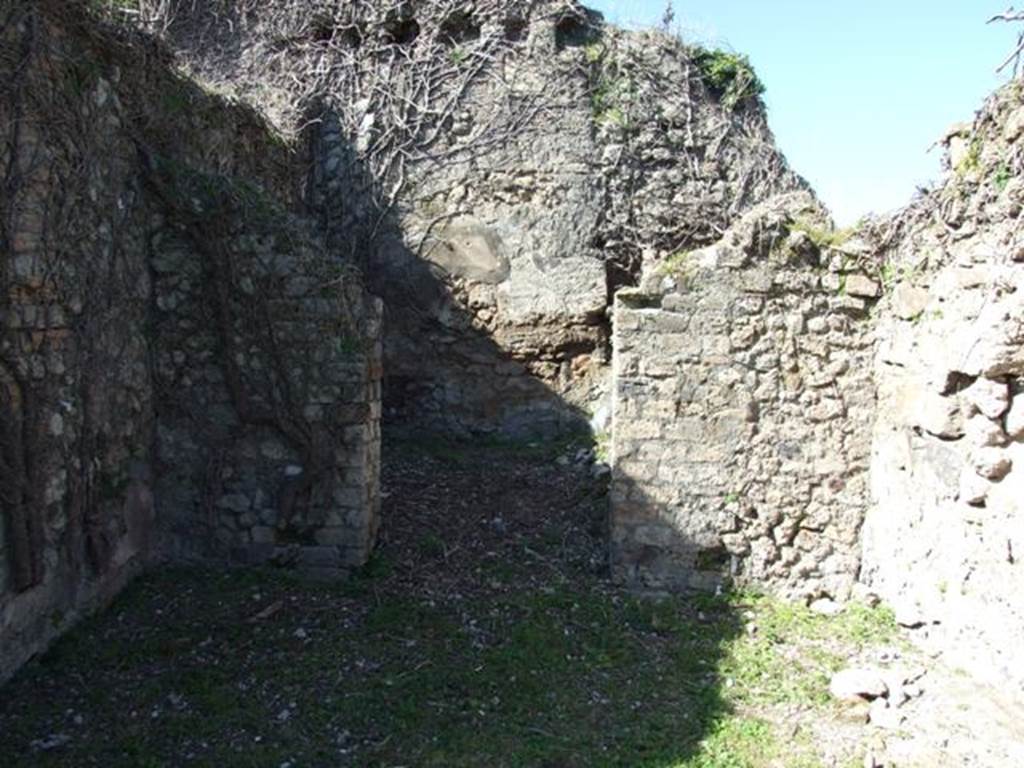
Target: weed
{"points": [[971, 161], [458, 55], [594, 52], [1002, 175], [609, 99], [729, 76], [681, 267], [822, 234]]}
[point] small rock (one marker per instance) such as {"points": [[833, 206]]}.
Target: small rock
{"points": [[973, 487], [991, 398], [908, 301], [857, 683], [940, 416], [992, 463], [862, 593], [53, 741], [982, 431], [826, 606], [958, 149], [1015, 419], [865, 287], [1014, 126]]}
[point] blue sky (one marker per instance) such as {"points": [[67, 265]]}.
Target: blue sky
{"points": [[859, 90]]}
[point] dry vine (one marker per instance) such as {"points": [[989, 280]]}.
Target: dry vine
{"points": [[1012, 16]]}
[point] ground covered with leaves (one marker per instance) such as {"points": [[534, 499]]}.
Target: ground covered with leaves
{"points": [[483, 633]]}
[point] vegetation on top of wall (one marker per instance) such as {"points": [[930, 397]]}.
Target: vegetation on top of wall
{"points": [[729, 76], [823, 234]]}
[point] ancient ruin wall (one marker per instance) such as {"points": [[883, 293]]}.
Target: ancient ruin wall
{"points": [[163, 356], [944, 536], [743, 404], [76, 400], [521, 157]]}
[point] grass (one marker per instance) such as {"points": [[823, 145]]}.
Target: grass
{"points": [[456, 645], [681, 267], [822, 234], [564, 678], [729, 76]]}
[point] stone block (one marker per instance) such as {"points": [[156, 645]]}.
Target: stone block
{"points": [[862, 286]]}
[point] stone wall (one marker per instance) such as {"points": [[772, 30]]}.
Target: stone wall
{"points": [[944, 537], [76, 400], [185, 370], [268, 373], [742, 412], [553, 152]]}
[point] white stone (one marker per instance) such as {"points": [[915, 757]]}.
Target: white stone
{"points": [[909, 301], [992, 463], [857, 683], [939, 416], [982, 432], [1014, 126], [826, 607], [973, 487], [1015, 419], [991, 398], [859, 285]]}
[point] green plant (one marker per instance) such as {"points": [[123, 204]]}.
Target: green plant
{"points": [[594, 52], [971, 161], [729, 76], [1002, 175], [822, 233], [610, 97]]}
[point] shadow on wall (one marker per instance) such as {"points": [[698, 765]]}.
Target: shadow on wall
{"points": [[664, 720], [648, 662], [444, 369]]}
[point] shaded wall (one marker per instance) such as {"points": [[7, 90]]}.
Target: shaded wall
{"points": [[185, 369]]}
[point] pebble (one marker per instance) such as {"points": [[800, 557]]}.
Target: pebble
{"points": [[826, 607], [854, 684], [53, 741]]}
